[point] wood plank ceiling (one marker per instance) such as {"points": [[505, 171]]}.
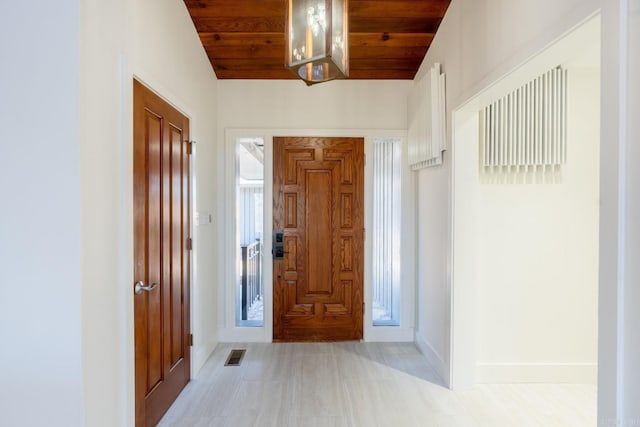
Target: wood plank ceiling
{"points": [[244, 39]]}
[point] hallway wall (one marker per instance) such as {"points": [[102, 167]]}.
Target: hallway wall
{"points": [[632, 242], [619, 344], [290, 104], [40, 251], [155, 41], [537, 257], [477, 43]]}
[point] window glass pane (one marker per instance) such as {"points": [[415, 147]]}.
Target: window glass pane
{"points": [[249, 196], [386, 231]]}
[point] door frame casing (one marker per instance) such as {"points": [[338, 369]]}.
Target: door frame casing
{"points": [[163, 92], [125, 230], [227, 329]]}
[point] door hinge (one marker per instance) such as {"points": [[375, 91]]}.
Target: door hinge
{"points": [[362, 308], [189, 244], [364, 234], [190, 146], [190, 341], [365, 159]]}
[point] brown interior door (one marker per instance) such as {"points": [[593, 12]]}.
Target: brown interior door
{"points": [[318, 204], [161, 265]]}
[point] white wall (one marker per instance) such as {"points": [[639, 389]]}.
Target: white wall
{"points": [[434, 264], [632, 244], [156, 42], [290, 104], [40, 253], [477, 43], [537, 258], [619, 351]]}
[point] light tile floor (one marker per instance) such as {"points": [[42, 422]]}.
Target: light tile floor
{"points": [[362, 384]]}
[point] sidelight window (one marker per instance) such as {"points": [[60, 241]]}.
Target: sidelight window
{"points": [[387, 190], [249, 217]]}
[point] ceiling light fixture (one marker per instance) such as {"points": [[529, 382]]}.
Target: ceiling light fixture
{"points": [[317, 45]]}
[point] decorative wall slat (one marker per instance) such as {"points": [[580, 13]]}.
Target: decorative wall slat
{"points": [[427, 120], [527, 127]]}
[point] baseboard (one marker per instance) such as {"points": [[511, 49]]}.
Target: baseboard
{"points": [[200, 354], [578, 373], [433, 357]]}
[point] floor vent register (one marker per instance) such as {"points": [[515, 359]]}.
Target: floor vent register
{"points": [[235, 357]]}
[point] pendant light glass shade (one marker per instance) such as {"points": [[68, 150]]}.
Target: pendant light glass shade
{"points": [[317, 46]]}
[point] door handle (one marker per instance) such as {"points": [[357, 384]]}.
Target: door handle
{"points": [[140, 286]]}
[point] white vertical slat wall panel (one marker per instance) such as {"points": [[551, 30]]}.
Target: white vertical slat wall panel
{"points": [[427, 120], [528, 127]]}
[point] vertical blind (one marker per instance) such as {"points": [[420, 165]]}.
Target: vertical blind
{"points": [[250, 207], [386, 229]]}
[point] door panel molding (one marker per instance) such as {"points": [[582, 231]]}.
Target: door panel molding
{"points": [[320, 297]]}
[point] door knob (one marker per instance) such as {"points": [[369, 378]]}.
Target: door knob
{"points": [[140, 286]]}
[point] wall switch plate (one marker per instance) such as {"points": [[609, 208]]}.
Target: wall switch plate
{"points": [[204, 218]]}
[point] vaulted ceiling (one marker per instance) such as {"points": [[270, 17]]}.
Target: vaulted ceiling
{"points": [[245, 39]]}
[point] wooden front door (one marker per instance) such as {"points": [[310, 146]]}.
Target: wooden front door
{"points": [[161, 264], [318, 205]]}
